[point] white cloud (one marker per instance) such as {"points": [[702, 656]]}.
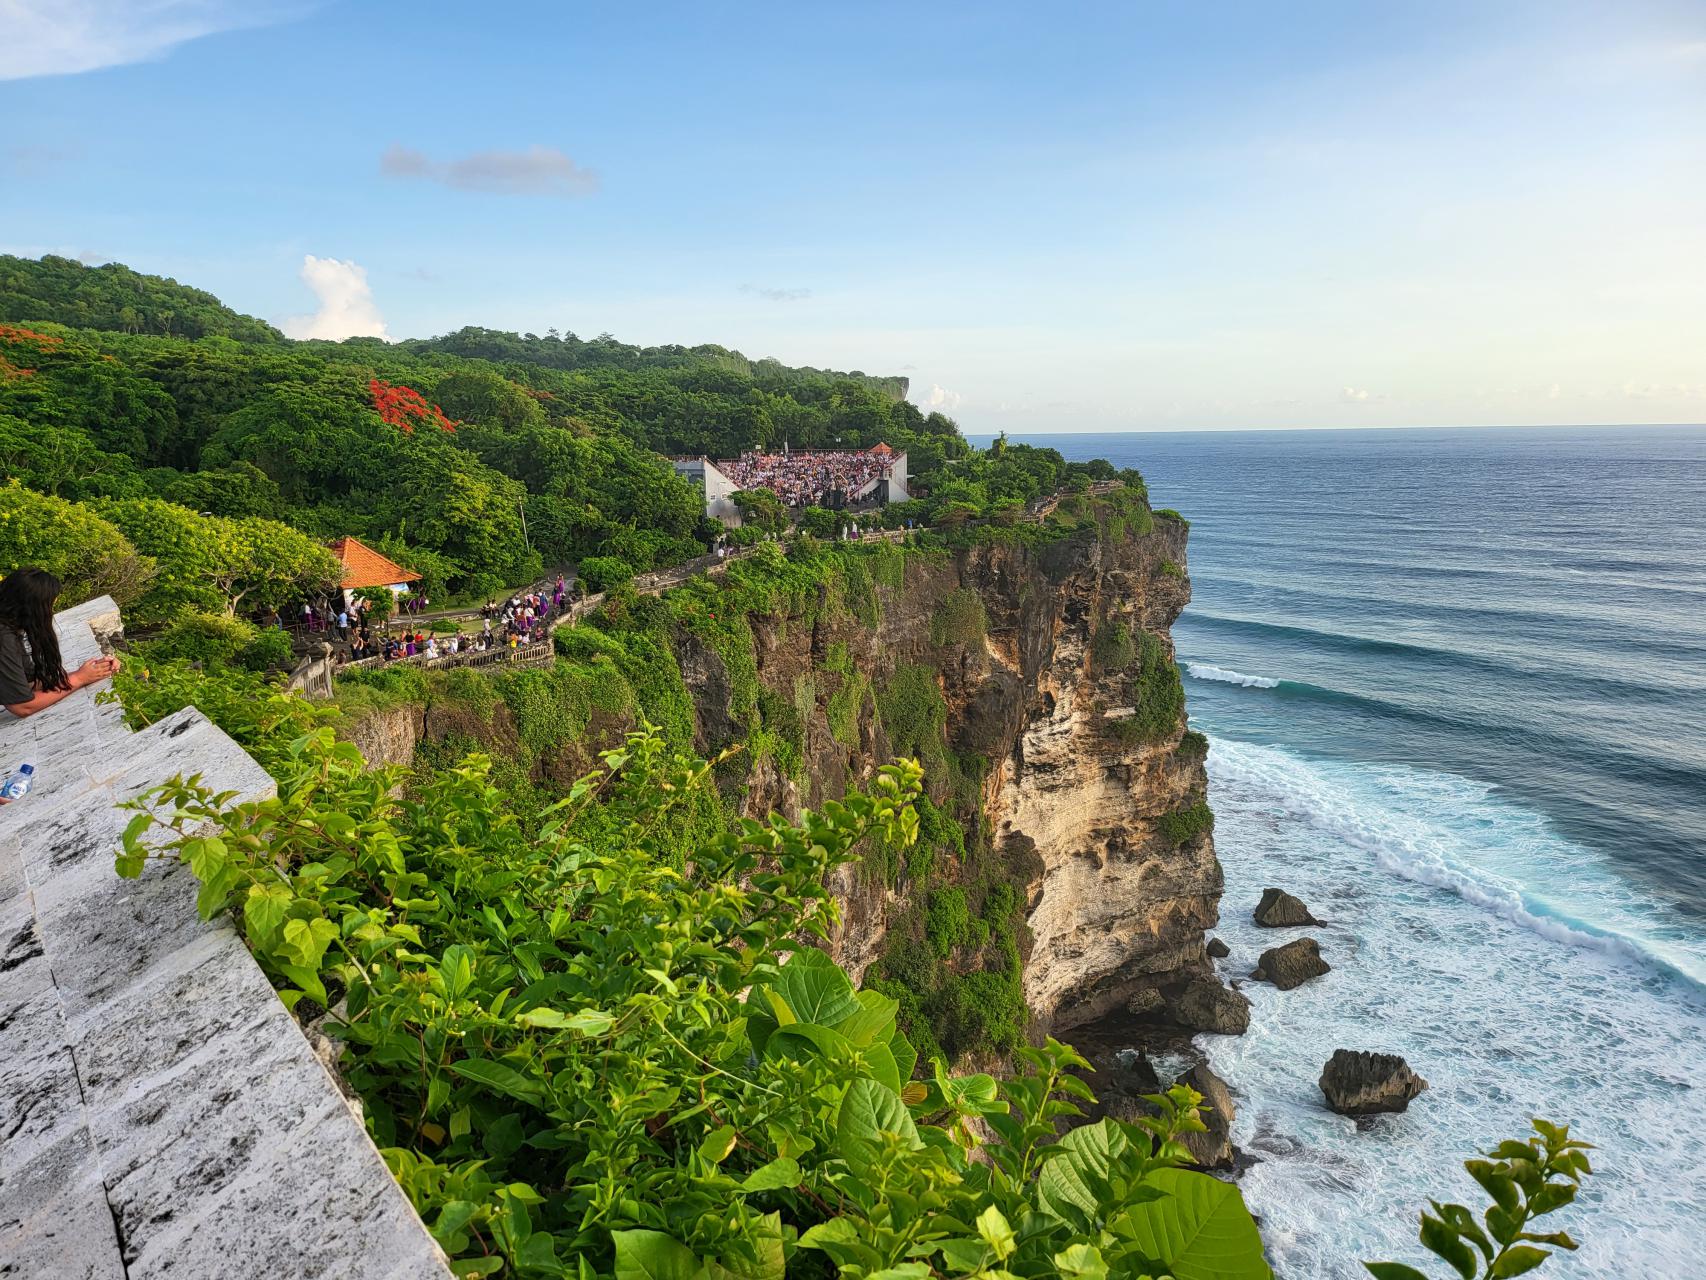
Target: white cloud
{"points": [[347, 308], [63, 37], [537, 171], [777, 295], [1359, 395], [941, 399]]}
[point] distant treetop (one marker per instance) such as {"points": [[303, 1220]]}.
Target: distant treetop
{"points": [[115, 298]]}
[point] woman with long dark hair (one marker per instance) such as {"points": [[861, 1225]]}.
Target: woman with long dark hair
{"points": [[32, 676]]}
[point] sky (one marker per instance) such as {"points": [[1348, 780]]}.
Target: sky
{"points": [[1073, 217]]}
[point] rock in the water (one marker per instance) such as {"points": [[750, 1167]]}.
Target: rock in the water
{"points": [[1279, 910], [1120, 1085], [1218, 949], [1292, 965], [1211, 1150], [1205, 1005], [1364, 1084]]}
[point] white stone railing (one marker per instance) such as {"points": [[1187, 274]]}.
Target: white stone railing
{"points": [[161, 1114]]}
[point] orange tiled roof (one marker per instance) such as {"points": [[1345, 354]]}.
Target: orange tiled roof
{"points": [[881, 447], [365, 567]]}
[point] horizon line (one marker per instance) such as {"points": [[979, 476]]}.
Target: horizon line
{"points": [[1473, 426]]}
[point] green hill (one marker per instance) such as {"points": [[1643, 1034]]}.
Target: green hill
{"points": [[114, 297]]}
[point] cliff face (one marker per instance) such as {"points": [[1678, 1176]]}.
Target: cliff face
{"points": [[1066, 862], [1038, 653]]}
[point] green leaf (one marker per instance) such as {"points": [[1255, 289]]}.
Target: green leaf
{"points": [[718, 1143], [815, 988], [505, 1079], [995, 1231], [872, 1022], [1443, 1242], [1084, 1262], [1077, 1175], [1393, 1271], [1501, 1186], [805, 1040], [779, 1174], [1199, 1228], [263, 912], [589, 1022], [905, 1056], [1517, 1260], [652, 1255], [880, 1063], [867, 1111]]}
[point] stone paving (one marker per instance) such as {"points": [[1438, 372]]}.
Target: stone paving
{"points": [[161, 1114]]}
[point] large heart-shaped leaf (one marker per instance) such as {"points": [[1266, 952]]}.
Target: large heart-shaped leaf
{"points": [[868, 1111], [816, 989], [1198, 1228]]}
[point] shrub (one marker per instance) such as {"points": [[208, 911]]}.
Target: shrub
{"points": [[1193, 746], [959, 619], [601, 573], [270, 650], [947, 921], [1156, 691], [1113, 648], [1167, 513], [1185, 824], [211, 639], [86, 552], [1171, 570]]}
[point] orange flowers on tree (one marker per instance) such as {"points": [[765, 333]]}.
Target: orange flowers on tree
{"points": [[405, 408]]}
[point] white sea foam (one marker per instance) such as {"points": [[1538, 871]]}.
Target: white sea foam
{"points": [[1514, 969], [1206, 671]]}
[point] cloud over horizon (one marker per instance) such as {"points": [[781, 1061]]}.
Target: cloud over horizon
{"points": [[537, 171], [64, 37], [347, 307], [940, 399]]}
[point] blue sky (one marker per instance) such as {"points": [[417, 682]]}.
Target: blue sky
{"points": [[1071, 217]]}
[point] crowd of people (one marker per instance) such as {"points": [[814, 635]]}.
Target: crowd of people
{"points": [[522, 619], [809, 478]]}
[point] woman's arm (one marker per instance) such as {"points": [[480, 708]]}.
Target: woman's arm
{"points": [[91, 672]]}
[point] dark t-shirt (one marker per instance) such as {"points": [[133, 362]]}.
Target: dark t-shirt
{"points": [[16, 682]]}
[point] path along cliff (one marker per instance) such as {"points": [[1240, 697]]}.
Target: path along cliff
{"points": [[1065, 869]]}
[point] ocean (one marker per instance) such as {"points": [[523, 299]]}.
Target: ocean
{"points": [[1454, 683]]}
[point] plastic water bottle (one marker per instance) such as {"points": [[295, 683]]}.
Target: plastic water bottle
{"points": [[17, 786]]}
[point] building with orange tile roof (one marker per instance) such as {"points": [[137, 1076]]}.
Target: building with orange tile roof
{"points": [[365, 567]]}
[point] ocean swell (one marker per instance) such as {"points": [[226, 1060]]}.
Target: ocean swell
{"points": [[1206, 671]]}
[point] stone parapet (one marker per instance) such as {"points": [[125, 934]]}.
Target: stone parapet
{"points": [[161, 1114]]}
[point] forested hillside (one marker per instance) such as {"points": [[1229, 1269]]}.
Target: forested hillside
{"points": [[477, 458]]}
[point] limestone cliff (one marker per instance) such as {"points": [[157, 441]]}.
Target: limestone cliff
{"points": [[1053, 660]]}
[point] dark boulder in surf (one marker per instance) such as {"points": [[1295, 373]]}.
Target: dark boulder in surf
{"points": [[1205, 1005], [1365, 1084], [1218, 949], [1291, 965], [1213, 1149], [1279, 910]]}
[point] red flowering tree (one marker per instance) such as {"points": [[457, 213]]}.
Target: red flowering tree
{"points": [[405, 408], [15, 336]]}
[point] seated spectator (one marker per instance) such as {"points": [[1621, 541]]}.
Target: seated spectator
{"points": [[32, 675]]}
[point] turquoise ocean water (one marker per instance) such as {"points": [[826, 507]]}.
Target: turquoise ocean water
{"points": [[1455, 687]]}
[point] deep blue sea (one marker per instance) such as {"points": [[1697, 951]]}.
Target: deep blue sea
{"points": [[1455, 687]]}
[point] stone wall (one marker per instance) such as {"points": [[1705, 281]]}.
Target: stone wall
{"points": [[161, 1113]]}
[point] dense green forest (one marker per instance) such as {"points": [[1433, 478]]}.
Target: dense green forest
{"points": [[478, 458]]}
